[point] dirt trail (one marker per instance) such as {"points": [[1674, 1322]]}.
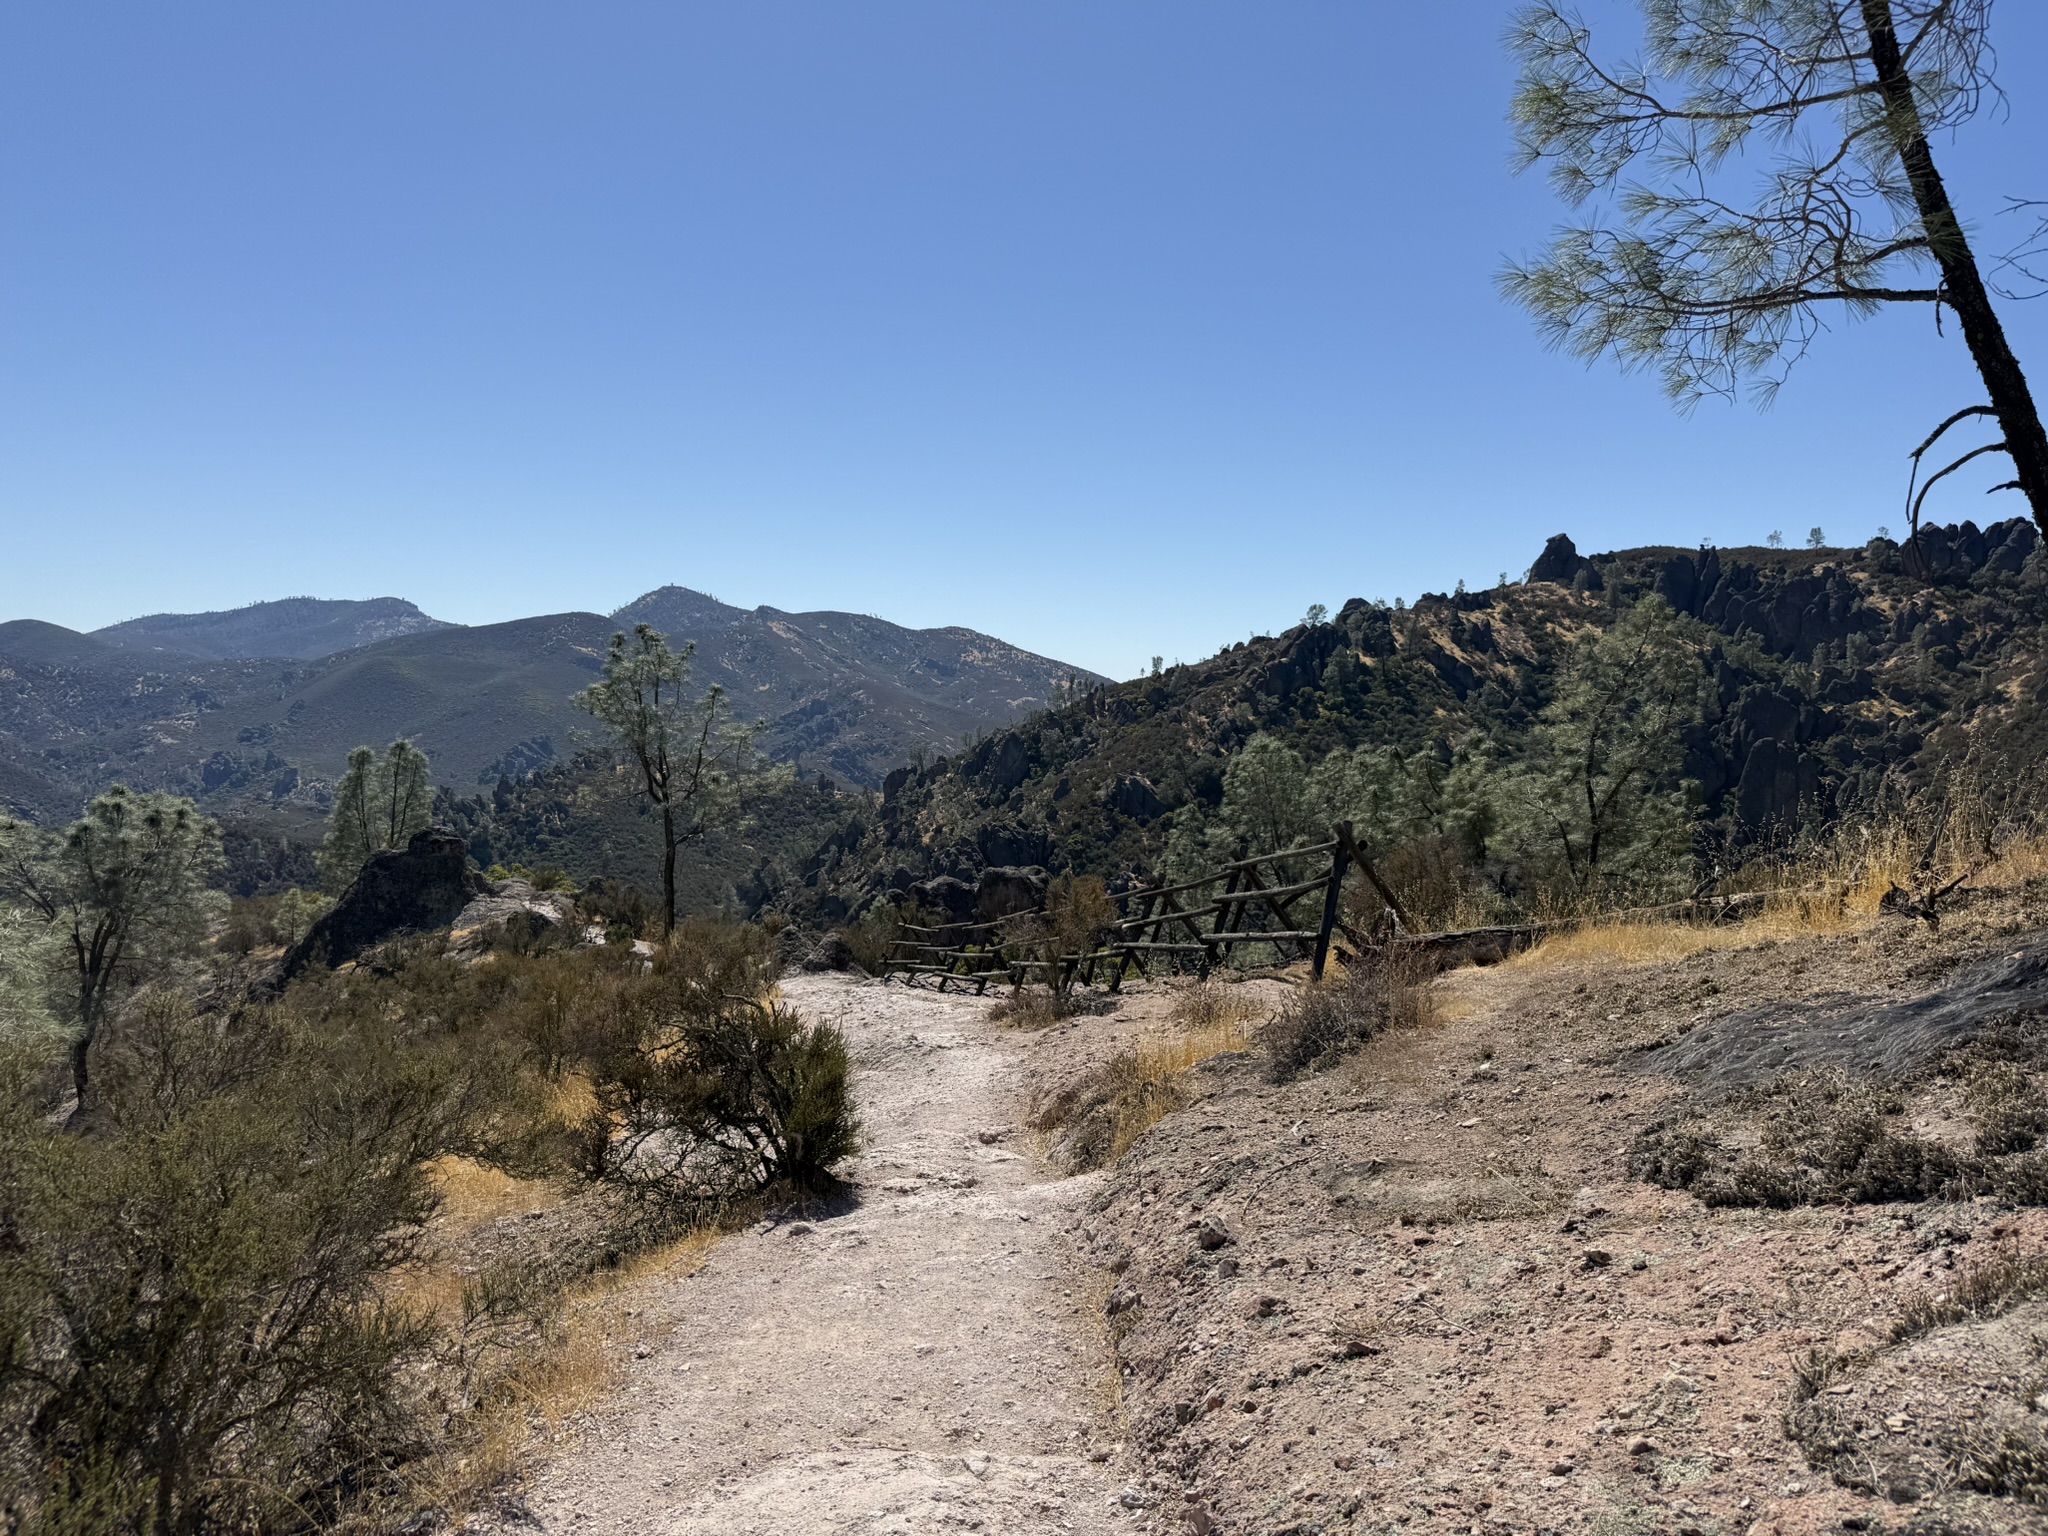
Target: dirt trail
{"points": [[923, 1362]]}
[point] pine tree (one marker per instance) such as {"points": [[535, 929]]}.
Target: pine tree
{"points": [[379, 804], [124, 891], [1603, 802], [1713, 274], [690, 754]]}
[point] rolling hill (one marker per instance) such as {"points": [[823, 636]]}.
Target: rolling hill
{"points": [[177, 702]]}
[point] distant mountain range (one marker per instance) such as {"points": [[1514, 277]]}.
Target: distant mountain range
{"points": [[257, 707], [302, 628]]}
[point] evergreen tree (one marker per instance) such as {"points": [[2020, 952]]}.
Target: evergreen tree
{"points": [[1265, 797], [1712, 277], [379, 804], [124, 891], [690, 754], [1603, 802]]}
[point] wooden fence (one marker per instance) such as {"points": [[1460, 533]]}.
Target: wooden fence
{"points": [[1259, 902], [1174, 927]]}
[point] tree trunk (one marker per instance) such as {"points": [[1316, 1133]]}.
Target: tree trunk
{"points": [[668, 870], [2025, 439]]}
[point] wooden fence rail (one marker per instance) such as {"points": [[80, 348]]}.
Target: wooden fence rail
{"points": [[1155, 925]]}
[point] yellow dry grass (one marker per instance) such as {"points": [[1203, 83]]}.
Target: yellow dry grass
{"points": [[1835, 889], [526, 1405], [1148, 1078]]}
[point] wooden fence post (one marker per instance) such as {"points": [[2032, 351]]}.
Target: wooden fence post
{"points": [[1333, 893]]}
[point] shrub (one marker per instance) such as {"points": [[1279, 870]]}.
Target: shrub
{"points": [[197, 1334], [623, 909], [1373, 994], [720, 1101], [1821, 1138], [872, 936], [706, 1093]]}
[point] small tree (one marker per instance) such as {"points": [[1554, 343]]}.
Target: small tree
{"points": [[689, 753], [1265, 796], [1604, 799], [1711, 288], [125, 892], [379, 804]]}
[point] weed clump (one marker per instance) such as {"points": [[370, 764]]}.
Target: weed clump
{"points": [[1822, 1139], [1324, 1023], [1099, 1116]]}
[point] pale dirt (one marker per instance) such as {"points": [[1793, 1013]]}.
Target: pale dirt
{"points": [[928, 1359]]}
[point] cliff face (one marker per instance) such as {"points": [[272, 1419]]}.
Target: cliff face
{"points": [[1831, 669]]}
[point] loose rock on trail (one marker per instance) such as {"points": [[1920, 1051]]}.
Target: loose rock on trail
{"points": [[927, 1359]]}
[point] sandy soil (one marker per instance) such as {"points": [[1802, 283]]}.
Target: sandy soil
{"points": [[928, 1359]]}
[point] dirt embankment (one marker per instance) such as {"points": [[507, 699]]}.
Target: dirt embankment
{"points": [[1425, 1292]]}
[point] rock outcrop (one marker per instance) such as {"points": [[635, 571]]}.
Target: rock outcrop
{"points": [[425, 886]]}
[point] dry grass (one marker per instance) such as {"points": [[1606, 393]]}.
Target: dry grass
{"points": [[1102, 1115], [1986, 1290], [573, 1366]]}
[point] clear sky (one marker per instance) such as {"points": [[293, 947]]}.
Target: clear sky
{"points": [[1112, 327]]}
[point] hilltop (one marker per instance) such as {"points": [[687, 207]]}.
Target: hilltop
{"points": [[1835, 676]]}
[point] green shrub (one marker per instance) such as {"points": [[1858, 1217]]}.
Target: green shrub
{"points": [[707, 1094], [197, 1336]]}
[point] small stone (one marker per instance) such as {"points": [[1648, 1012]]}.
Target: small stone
{"points": [[1212, 1234], [1227, 1270], [977, 1465], [1344, 1463], [1136, 1498], [800, 1229], [1562, 1469], [1640, 1261], [989, 1138], [1596, 1258], [1642, 1445]]}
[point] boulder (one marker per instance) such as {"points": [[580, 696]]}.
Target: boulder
{"points": [[1007, 890], [1012, 842], [1009, 763], [948, 894], [1133, 796], [424, 886], [832, 953], [503, 900]]}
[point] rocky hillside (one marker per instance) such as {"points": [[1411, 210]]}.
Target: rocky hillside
{"points": [[1831, 669], [248, 712]]}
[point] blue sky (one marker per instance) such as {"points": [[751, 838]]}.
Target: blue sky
{"points": [[1111, 328]]}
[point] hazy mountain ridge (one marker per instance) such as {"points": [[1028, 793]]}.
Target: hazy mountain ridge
{"points": [[841, 693], [303, 628]]}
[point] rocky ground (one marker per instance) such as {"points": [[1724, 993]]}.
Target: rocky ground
{"points": [[1424, 1292], [1429, 1289]]}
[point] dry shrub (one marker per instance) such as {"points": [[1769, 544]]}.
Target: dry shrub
{"points": [[1375, 993], [1985, 1290], [2011, 1109], [1100, 1116], [572, 1358], [1821, 1139], [1208, 1003]]}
